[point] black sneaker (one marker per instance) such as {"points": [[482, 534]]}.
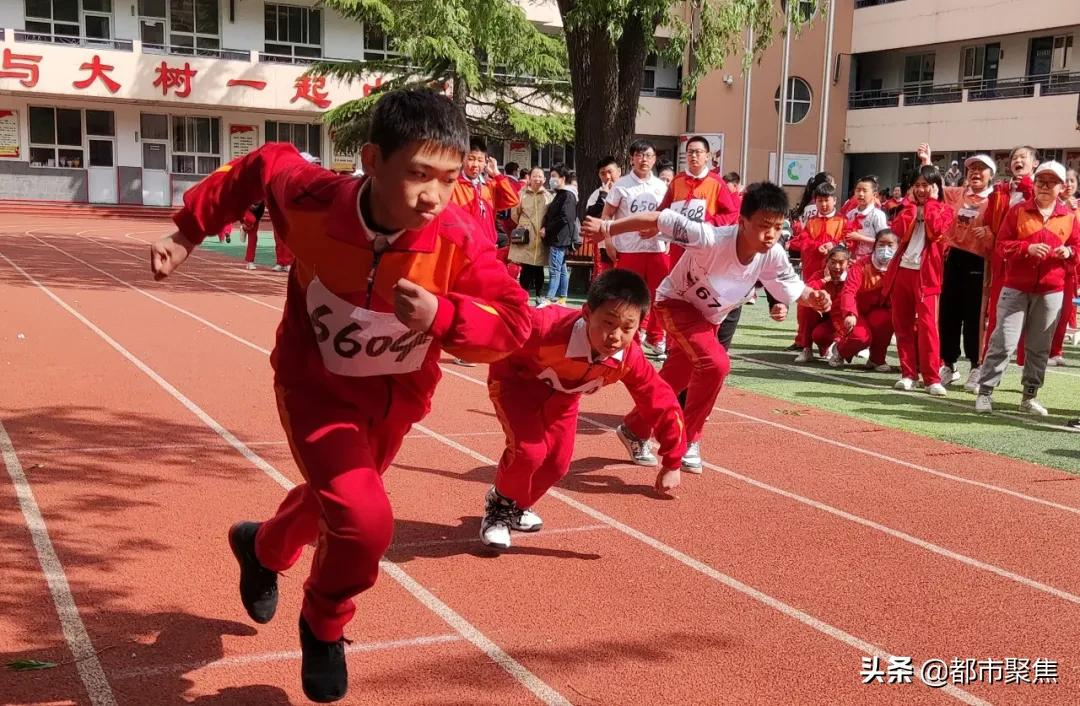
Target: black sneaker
{"points": [[1073, 423], [323, 672], [258, 585], [794, 347]]}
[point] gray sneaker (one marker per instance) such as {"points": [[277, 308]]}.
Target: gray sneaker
{"points": [[691, 460], [639, 450]]}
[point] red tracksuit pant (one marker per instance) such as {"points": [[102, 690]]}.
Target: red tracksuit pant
{"points": [[282, 254], [696, 363], [809, 319], [873, 331], [342, 506], [653, 267], [540, 426], [914, 317], [252, 243]]}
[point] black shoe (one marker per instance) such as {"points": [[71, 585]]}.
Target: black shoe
{"points": [[1073, 423], [323, 672], [794, 347], [258, 585]]}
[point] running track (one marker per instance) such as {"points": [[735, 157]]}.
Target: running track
{"points": [[138, 423]]}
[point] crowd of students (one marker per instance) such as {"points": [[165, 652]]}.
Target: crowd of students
{"points": [[394, 268]]}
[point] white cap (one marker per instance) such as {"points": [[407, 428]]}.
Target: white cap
{"points": [[1054, 168], [983, 159]]}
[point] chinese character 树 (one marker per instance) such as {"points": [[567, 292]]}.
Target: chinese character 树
{"points": [[168, 77]]}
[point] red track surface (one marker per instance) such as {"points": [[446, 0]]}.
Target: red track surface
{"points": [[764, 582]]}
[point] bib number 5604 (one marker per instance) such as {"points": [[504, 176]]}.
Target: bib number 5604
{"points": [[348, 347]]}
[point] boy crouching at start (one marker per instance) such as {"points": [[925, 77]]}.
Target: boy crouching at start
{"points": [[536, 392]]}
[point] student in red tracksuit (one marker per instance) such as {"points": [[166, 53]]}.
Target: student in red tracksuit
{"points": [[250, 224], [481, 190], [829, 330], [572, 352], [1072, 275], [1038, 242], [867, 318], [813, 241], [716, 274], [913, 280], [388, 274]]}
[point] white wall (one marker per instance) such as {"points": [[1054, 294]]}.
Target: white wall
{"points": [[125, 21], [12, 13], [248, 31]]}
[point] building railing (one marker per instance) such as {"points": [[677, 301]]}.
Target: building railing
{"points": [[39, 38], [972, 90], [173, 50], [663, 92], [859, 4]]}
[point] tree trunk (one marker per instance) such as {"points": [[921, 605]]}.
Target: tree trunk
{"points": [[606, 83]]}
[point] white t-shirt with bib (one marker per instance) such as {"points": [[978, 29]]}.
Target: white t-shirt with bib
{"points": [[630, 196], [709, 274]]}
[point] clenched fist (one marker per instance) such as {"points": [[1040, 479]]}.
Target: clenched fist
{"points": [[414, 306], [166, 254]]}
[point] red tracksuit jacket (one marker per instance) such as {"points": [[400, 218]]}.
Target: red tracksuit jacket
{"points": [[818, 231], [938, 218], [557, 360], [863, 290], [338, 337], [1024, 226], [497, 194]]}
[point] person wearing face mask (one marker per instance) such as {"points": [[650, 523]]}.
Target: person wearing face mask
{"points": [[866, 316], [560, 224], [1037, 243], [913, 280], [1006, 194], [969, 242]]}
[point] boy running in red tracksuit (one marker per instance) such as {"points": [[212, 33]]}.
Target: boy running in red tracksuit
{"points": [[913, 281], [1037, 243], [867, 316], [388, 273], [715, 275], [814, 241], [536, 391]]}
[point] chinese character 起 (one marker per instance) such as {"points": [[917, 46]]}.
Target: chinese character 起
{"points": [[97, 70], [311, 89], [168, 77]]}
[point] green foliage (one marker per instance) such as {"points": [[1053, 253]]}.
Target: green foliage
{"points": [[513, 77]]}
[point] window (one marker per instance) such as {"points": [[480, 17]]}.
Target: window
{"points": [[304, 136], [97, 19], [184, 26], [376, 45], [196, 145], [798, 100], [550, 155], [154, 127], [53, 18], [1062, 52], [919, 73], [56, 137], [293, 31], [972, 61], [661, 79]]}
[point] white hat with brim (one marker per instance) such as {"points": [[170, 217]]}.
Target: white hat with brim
{"points": [[1055, 168], [982, 159]]}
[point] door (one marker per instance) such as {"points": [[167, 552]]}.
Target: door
{"points": [[101, 171], [1039, 55], [155, 178], [990, 68]]}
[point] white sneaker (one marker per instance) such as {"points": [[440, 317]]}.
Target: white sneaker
{"points": [[661, 350], [835, 361], [948, 375], [691, 460], [495, 527], [277, 268], [805, 355], [883, 368], [937, 390], [251, 266], [543, 302], [526, 521], [1056, 361], [983, 405], [906, 384], [464, 363], [864, 353], [639, 450], [1032, 406], [972, 384]]}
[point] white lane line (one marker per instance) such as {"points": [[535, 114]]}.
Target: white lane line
{"points": [[274, 277], [273, 657], [467, 630], [39, 450], [897, 534], [836, 633], [78, 640], [905, 464]]}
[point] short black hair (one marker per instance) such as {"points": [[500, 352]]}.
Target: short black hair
{"points": [[420, 115], [619, 286], [524, 173], [511, 168], [606, 162], [839, 249], [477, 144], [824, 189], [884, 231], [764, 196], [664, 164], [698, 138], [564, 171], [871, 180], [641, 146], [732, 178]]}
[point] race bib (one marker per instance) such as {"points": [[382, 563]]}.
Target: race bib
{"points": [[643, 204], [356, 342], [551, 379], [694, 209]]}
